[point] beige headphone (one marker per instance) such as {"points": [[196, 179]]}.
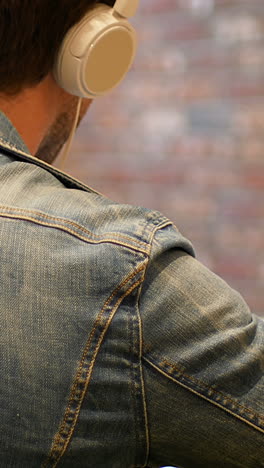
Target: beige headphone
{"points": [[98, 51]]}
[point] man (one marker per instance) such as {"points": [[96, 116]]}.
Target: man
{"points": [[118, 349]]}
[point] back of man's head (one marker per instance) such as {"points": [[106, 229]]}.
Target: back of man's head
{"points": [[31, 32]]}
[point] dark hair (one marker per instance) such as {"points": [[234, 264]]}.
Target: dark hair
{"points": [[31, 32]]}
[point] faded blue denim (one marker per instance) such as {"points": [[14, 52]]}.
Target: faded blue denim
{"points": [[118, 348]]}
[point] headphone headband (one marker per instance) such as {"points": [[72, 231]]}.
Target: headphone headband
{"points": [[126, 8], [98, 51]]}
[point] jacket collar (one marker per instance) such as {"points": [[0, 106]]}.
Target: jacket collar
{"points": [[9, 136], [12, 144]]}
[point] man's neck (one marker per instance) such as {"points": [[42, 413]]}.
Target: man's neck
{"points": [[33, 110]]}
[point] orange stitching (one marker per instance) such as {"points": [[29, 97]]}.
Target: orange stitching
{"points": [[159, 227], [143, 383], [204, 397], [99, 318], [57, 443], [216, 392], [66, 221], [74, 233]]}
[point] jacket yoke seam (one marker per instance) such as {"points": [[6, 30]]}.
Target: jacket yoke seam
{"points": [[67, 221], [99, 240]]}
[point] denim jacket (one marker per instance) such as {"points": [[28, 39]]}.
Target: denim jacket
{"points": [[118, 348]]}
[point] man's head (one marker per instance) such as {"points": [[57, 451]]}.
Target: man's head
{"points": [[31, 32]]}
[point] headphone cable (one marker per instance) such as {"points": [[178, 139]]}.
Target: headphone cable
{"points": [[68, 144]]}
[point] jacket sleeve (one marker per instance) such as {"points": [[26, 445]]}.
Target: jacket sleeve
{"points": [[203, 365]]}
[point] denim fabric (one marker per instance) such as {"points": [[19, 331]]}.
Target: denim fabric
{"points": [[118, 348]]}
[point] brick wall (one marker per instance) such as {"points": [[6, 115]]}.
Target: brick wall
{"points": [[184, 133]]}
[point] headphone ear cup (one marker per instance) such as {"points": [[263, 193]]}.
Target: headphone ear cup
{"points": [[96, 53]]}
